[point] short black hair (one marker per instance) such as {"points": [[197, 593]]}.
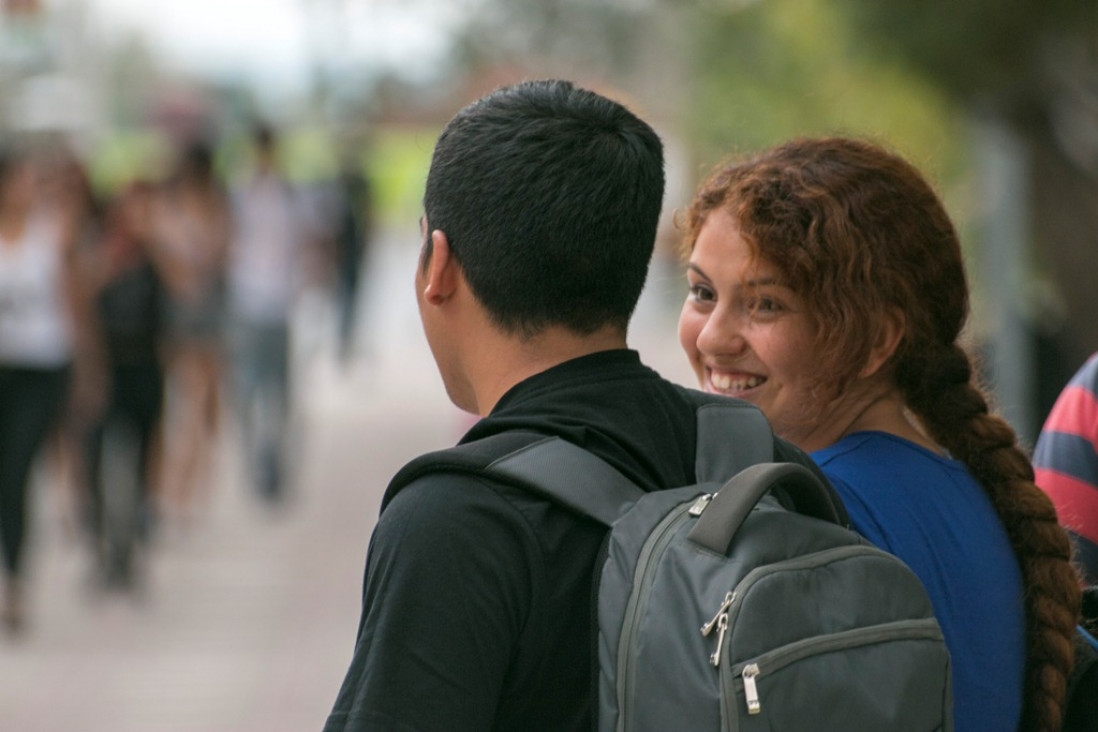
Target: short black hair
{"points": [[264, 136], [549, 196], [197, 159]]}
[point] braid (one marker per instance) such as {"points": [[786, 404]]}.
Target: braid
{"points": [[940, 390]]}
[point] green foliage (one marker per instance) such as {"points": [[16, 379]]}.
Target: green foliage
{"points": [[975, 48], [581, 34], [397, 168], [125, 156], [785, 68]]}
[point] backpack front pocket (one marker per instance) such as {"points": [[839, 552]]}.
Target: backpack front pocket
{"points": [[827, 683]]}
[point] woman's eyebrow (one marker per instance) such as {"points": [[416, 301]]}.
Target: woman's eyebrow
{"points": [[764, 281], [747, 283], [695, 268]]}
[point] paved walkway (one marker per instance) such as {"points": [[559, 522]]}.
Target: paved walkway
{"points": [[248, 616]]}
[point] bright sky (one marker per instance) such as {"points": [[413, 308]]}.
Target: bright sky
{"points": [[273, 41]]}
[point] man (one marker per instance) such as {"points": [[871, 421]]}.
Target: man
{"points": [[540, 218], [1066, 463], [271, 237]]}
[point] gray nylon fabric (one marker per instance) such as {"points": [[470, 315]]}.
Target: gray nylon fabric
{"points": [[872, 687], [580, 480], [800, 581], [731, 436]]}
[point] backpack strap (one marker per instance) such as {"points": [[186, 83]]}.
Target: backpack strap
{"points": [[548, 466], [571, 476], [469, 459], [732, 434]]}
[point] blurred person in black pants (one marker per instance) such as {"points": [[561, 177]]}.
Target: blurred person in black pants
{"points": [[41, 307], [354, 230], [123, 445]]}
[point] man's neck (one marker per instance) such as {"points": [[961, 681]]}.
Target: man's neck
{"points": [[509, 360]]}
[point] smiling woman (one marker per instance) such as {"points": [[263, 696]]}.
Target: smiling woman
{"points": [[747, 335], [827, 286]]}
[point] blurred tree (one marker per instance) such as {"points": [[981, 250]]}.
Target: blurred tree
{"points": [[768, 71], [720, 75], [596, 34], [1027, 72]]}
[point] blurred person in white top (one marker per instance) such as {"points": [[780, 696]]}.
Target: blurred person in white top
{"points": [[41, 306], [268, 255]]}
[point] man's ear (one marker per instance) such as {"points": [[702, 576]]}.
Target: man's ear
{"points": [[889, 330], [442, 271]]}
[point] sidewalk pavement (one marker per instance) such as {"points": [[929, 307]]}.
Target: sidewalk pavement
{"points": [[247, 617]]}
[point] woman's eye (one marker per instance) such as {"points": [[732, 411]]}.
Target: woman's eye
{"points": [[701, 293], [764, 305]]}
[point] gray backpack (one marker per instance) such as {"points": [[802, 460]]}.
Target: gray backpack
{"points": [[744, 603]]}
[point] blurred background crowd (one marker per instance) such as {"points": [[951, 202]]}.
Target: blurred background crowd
{"points": [[193, 193], [126, 317]]}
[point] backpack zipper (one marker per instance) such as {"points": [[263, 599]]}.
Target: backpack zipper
{"points": [[720, 622], [750, 690], [777, 659], [647, 563], [699, 505]]}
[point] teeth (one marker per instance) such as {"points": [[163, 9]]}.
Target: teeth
{"points": [[724, 382]]}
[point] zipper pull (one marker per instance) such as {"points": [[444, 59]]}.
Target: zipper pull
{"points": [[700, 504], [750, 690], [722, 628], [722, 610]]}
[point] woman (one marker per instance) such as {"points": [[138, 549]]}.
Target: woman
{"points": [[827, 287], [39, 310], [191, 221]]}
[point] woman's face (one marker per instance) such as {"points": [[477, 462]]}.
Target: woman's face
{"points": [[747, 334]]}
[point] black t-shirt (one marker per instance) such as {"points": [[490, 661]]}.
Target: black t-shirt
{"points": [[131, 314], [477, 599]]}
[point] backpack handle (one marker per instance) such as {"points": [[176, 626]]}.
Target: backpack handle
{"points": [[731, 505]]}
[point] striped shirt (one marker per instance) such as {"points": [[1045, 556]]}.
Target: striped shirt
{"points": [[1066, 462]]}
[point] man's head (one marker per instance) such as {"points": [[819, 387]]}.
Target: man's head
{"points": [[549, 197], [265, 142]]}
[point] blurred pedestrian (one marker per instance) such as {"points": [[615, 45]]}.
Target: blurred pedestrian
{"points": [[39, 305], [353, 234], [192, 225], [267, 258], [122, 449], [66, 178]]}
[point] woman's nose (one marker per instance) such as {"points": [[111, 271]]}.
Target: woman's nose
{"points": [[722, 336]]}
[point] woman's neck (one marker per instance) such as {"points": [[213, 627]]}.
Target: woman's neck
{"points": [[887, 412]]}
